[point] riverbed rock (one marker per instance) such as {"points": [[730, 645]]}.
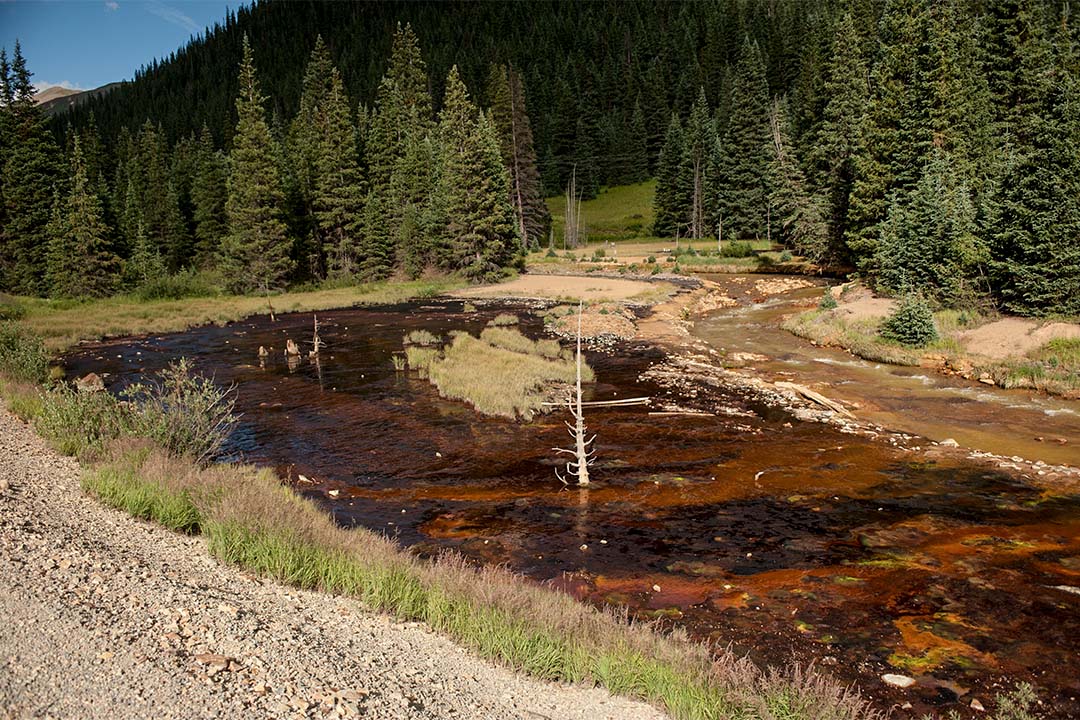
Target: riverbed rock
{"points": [[949, 442], [900, 681], [90, 383]]}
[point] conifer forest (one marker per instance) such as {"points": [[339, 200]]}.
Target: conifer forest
{"points": [[928, 147]]}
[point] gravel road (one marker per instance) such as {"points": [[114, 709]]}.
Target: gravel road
{"points": [[105, 616]]}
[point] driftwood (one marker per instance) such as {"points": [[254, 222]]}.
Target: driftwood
{"points": [[291, 350], [816, 397], [608, 403], [316, 341]]}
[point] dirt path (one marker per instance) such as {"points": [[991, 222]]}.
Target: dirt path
{"points": [[106, 616]]}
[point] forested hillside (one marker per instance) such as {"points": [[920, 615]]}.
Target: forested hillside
{"points": [[931, 146]]}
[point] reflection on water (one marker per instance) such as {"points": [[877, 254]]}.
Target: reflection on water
{"points": [[786, 539]]}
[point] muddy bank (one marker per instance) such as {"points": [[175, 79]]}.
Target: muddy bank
{"points": [[714, 508]]}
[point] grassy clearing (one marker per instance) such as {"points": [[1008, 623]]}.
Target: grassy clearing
{"points": [[1053, 368], [617, 213], [859, 337], [64, 323], [501, 373], [250, 520]]}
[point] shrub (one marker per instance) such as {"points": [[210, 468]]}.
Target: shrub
{"points": [[22, 354], [421, 337], [599, 254], [184, 284], [828, 302], [651, 259], [77, 423], [550, 253], [655, 270], [785, 256], [184, 413], [738, 249], [911, 324], [11, 309]]}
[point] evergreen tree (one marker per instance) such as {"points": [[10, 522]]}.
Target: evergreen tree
{"points": [[256, 250], [79, 261], [672, 196], [508, 113], [929, 244], [799, 213], [31, 170], [208, 193], [744, 194], [376, 248], [697, 148], [479, 231], [839, 141], [637, 148], [1035, 214], [338, 190]]}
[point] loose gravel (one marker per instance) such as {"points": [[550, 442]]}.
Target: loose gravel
{"points": [[104, 616]]}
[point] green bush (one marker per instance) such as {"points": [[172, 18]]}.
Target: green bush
{"points": [[11, 309], [550, 253], [183, 412], [78, 423], [738, 249], [599, 254], [184, 284], [911, 324], [828, 302], [651, 259], [22, 354], [785, 256]]}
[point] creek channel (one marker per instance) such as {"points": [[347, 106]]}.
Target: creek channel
{"points": [[789, 541]]}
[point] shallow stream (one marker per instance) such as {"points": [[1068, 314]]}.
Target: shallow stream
{"points": [[788, 540]]}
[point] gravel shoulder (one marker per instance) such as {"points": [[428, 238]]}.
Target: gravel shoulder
{"points": [[106, 616]]}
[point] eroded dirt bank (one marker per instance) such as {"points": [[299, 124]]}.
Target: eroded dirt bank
{"points": [[105, 616]]}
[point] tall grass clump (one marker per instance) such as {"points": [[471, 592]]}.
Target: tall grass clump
{"points": [[421, 358], [421, 337], [22, 353], [514, 341], [504, 320]]}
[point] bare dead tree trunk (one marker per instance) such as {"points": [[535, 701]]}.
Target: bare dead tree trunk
{"points": [[572, 222], [316, 341], [583, 452], [266, 291]]}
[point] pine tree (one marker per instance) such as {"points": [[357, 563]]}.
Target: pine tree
{"points": [[507, 98], [31, 169], [79, 261], [800, 215], [256, 250], [697, 148], [376, 247], [338, 191], [1035, 214], [304, 131], [672, 196], [637, 148], [743, 181], [928, 240], [208, 193], [479, 230], [839, 140]]}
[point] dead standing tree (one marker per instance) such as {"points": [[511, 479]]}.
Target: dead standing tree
{"points": [[583, 452], [572, 224]]}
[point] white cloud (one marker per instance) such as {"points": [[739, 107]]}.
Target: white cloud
{"points": [[112, 5], [66, 84], [172, 15]]}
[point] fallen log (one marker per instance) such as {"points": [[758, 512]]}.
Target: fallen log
{"points": [[815, 397]]}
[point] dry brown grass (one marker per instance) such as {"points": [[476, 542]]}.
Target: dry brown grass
{"points": [[499, 381]]}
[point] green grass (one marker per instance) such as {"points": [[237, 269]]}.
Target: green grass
{"points": [[65, 323], [1053, 368], [617, 213]]}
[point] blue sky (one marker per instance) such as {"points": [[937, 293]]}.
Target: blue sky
{"points": [[85, 44]]}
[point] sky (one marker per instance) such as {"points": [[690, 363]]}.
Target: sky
{"points": [[84, 44]]}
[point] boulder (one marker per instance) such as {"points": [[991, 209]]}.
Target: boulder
{"points": [[90, 383]]}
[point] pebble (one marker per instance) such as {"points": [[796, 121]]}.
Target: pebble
{"points": [[900, 681]]}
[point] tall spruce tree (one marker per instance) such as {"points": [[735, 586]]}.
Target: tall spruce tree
{"points": [[672, 195], [32, 169], [80, 263], [338, 194], [208, 193], [744, 194], [507, 97], [799, 212], [480, 229], [697, 148], [255, 251]]}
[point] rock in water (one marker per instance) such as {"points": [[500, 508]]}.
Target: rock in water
{"points": [[900, 681], [90, 383]]}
